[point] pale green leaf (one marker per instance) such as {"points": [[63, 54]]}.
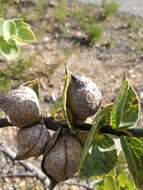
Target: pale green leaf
{"points": [[8, 29], [25, 34], [126, 108], [1, 23], [20, 23], [9, 50]]}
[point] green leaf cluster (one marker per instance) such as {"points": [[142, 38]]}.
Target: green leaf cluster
{"points": [[14, 33], [118, 179], [100, 154]]}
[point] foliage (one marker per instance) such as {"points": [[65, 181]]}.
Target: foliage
{"points": [[110, 7], [126, 110], [133, 150], [14, 33], [89, 24], [110, 44], [94, 32], [117, 179], [61, 11], [99, 148], [99, 155]]}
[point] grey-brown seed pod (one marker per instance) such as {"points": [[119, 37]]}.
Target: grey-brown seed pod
{"points": [[84, 98], [62, 161], [31, 141], [21, 106]]}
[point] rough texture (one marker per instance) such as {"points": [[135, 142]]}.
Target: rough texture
{"points": [[63, 160], [84, 98], [31, 141], [21, 106]]}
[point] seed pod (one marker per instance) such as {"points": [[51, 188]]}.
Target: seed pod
{"points": [[84, 98], [31, 141], [62, 161], [21, 106]]}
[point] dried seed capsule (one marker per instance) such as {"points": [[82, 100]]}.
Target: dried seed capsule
{"points": [[31, 141], [62, 161], [84, 98], [21, 106]]}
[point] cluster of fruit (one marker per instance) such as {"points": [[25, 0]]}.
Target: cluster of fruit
{"points": [[61, 153]]}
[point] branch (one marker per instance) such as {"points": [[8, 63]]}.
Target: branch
{"points": [[4, 123], [9, 175], [43, 178], [50, 124], [55, 124]]}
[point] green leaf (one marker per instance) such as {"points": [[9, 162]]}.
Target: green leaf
{"points": [[34, 84], [1, 23], [101, 157], [133, 151], [57, 107], [66, 110], [101, 119], [20, 23], [8, 50], [126, 109], [25, 34], [122, 179], [8, 29], [99, 154], [109, 183]]}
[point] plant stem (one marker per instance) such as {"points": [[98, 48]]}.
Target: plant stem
{"points": [[55, 124]]}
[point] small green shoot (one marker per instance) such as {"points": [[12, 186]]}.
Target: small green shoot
{"points": [[61, 11], [94, 32], [110, 7]]}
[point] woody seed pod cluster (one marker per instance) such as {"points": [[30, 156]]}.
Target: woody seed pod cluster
{"points": [[61, 154]]}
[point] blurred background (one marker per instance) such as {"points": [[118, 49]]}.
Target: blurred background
{"points": [[98, 39]]}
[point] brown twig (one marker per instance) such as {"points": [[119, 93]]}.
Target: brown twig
{"points": [[38, 173], [9, 175]]}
